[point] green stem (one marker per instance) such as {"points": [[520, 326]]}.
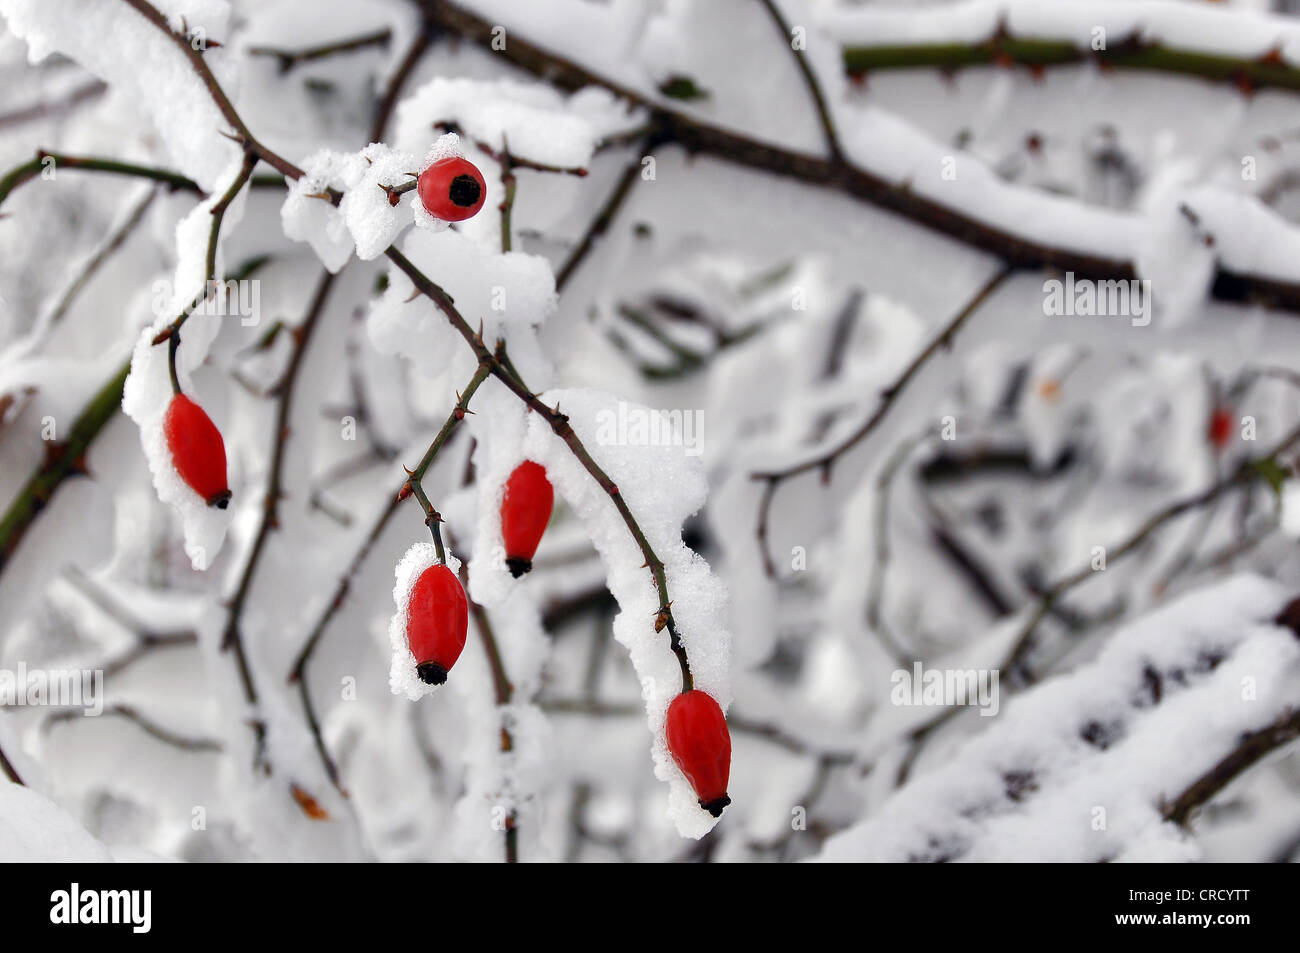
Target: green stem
{"points": [[1037, 52], [30, 170]]}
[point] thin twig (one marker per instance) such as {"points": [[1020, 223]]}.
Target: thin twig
{"points": [[824, 459], [148, 726], [232, 639], [288, 59], [810, 80]]}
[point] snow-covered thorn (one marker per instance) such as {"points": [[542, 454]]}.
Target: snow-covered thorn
{"points": [[369, 161], [162, 335], [320, 195]]}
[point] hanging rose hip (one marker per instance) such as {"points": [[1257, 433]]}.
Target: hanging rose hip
{"points": [[437, 618], [452, 189], [698, 740], [1220, 429], [197, 450], [525, 511]]}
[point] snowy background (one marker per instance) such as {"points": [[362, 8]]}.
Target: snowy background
{"points": [[830, 276]]}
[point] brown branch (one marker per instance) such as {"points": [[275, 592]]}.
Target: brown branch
{"points": [[210, 261], [82, 94], [825, 459], [699, 136], [1246, 472], [405, 69], [10, 772], [149, 727], [232, 639], [604, 218], [218, 95], [1252, 747], [298, 673], [810, 80], [288, 59], [560, 426]]}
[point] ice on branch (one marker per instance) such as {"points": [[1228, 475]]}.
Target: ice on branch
{"points": [[1083, 766]]}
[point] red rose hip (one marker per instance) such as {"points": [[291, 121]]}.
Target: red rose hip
{"points": [[1220, 429], [197, 450], [698, 740], [525, 511], [452, 189], [437, 618]]}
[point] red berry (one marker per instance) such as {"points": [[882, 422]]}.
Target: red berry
{"points": [[437, 618], [1221, 426], [525, 511], [698, 740], [452, 189], [198, 452]]}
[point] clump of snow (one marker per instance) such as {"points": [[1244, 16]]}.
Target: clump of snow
{"points": [[308, 217], [33, 829], [402, 677], [509, 294], [530, 118], [372, 221]]}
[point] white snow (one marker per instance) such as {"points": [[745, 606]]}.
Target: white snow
{"points": [[112, 43], [1223, 669], [33, 829]]}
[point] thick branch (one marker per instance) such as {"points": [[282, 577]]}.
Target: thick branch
{"points": [[1132, 52], [699, 136], [1252, 748]]}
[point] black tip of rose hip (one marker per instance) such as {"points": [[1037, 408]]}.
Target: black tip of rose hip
{"points": [[221, 500], [431, 673], [464, 190], [715, 806], [519, 566]]}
